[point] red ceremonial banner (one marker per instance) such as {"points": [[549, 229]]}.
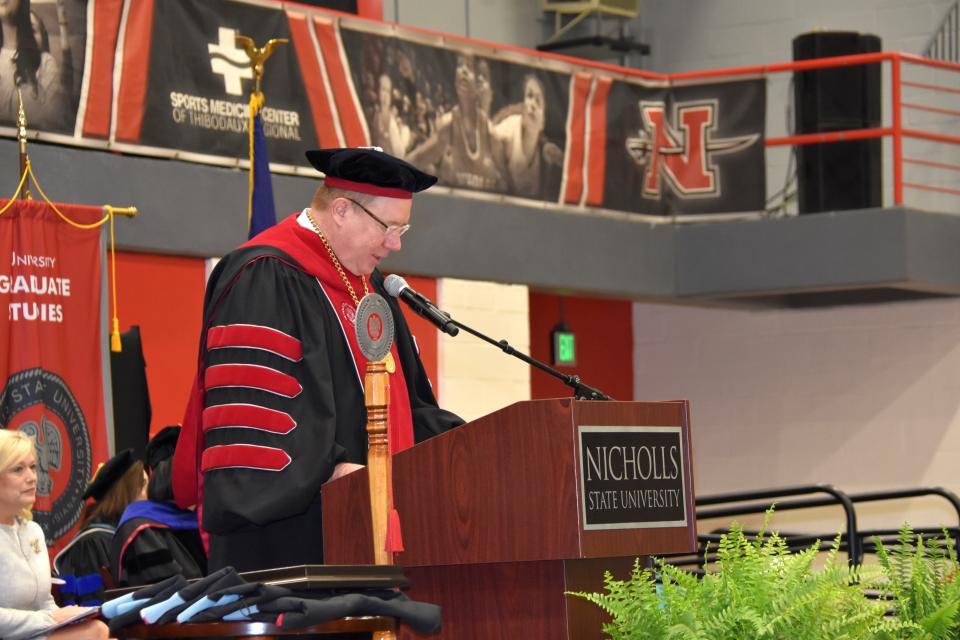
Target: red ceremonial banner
{"points": [[51, 376]]}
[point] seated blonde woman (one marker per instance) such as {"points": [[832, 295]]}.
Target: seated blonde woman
{"points": [[26, 606]]}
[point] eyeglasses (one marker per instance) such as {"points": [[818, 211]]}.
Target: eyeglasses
{"points": [[398, 229]]}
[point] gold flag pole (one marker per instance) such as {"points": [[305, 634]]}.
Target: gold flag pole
{"points": [[258, 56], [22, 145]]}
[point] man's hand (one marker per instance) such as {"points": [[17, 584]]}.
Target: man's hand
{"points": [[343, 469]]}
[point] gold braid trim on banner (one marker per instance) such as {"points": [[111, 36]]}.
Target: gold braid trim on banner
{"points": [[109, 213], [16, 193]]}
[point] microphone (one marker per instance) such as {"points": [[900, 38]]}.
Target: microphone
{"points": [[397, 287]]}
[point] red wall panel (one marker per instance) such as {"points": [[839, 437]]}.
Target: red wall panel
{"points": [[604, 344], [164, 295], [372, 9], [426, 334]]}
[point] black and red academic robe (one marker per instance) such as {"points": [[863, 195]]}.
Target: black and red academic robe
{"points": [[80, 562], [279, 400], [155, 541]]}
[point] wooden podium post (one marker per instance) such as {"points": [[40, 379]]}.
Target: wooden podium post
{"points": [[497, 525], [376, 394]]}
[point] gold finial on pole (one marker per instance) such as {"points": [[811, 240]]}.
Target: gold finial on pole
{"points": [[22, 144], [258, 55], [130, 212]]}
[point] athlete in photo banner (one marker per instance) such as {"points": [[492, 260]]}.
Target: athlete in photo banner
{"points": [[278, 408], [460, 147], [525, 157], [388, 129], [28, 66]]}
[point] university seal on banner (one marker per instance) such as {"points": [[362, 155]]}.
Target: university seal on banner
{"points": [[40, 404], [374, 327]]}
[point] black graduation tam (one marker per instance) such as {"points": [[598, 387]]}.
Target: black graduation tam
{"points": [[242, 596], [126, 609], [162, 446], [135, 600], [370, 170], [297, 613], [109, 474], [195, 592]]}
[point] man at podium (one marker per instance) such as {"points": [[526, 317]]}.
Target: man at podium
{"points": [[278, 408]]}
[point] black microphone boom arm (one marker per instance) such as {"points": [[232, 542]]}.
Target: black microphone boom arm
{"points": [[581, 391], [397, 287]]}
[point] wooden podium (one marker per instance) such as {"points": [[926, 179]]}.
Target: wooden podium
{"points": [[495, 523]]}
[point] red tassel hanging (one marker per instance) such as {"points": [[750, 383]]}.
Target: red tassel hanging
{"points": [[394, 542]]}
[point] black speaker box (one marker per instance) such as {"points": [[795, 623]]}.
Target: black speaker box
{"points": [[838, 175]]}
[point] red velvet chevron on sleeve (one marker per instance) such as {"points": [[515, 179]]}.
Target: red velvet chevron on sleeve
{"points": [[252, 336], [252, 376], [247, 416], [244, 456]]}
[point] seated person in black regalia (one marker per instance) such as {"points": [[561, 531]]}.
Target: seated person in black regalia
{"points": [[117, 483], [156, 539]]}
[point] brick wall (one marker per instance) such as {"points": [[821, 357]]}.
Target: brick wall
{"points": [[475, 377]]}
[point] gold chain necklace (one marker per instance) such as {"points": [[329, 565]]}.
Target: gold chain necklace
{"points": [[336, 262], [390, 362]]}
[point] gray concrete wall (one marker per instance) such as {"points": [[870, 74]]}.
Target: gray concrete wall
{"points": [[519, 23], [201, 211]]}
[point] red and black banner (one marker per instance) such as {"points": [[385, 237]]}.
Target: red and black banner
{"points": [[197, 97], [508, 123], [51, 382], [689, 150]]}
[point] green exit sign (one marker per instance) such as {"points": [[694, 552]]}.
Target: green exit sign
{"points": [[564, 347]]}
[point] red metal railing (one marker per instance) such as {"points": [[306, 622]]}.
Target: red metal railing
{"points": [[899, 105], [897, 132]]}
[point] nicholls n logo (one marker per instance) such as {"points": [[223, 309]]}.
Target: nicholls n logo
{"points": [[681, 150]]}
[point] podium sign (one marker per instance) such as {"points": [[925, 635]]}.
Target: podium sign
{"points": [[496, 524], [632, 477]]}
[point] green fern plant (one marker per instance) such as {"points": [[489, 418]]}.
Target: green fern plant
{"points": [[923, 585], [759, 590]]}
